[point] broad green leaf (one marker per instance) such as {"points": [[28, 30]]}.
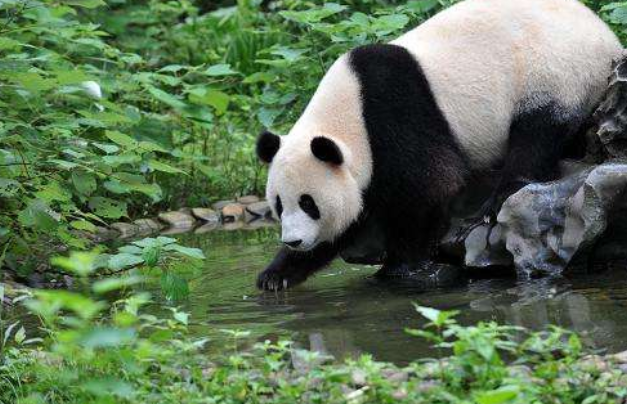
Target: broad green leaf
{"points": [[37, 215], [79, 262], [84, 182], [159, 166], [9, 188], [498, 396], [122, 139], [214, 98], [83, 225], [187, 251], [154, 242], [124, 260], [220, 70], [115, 283], [166, 98], [85, 3], [108, 208], [107, 337]]}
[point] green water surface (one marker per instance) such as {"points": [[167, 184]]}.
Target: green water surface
{"points": [[345, 312]]}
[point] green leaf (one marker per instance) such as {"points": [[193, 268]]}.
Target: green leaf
{"points": [[37, 215], [159, 166], [498, 396], [154, 242], [214, 98], [108, 208], [84, 182], [107, 337], [187, 251], [9, 188], [120, 138], [85, 3], [83, 225], [166, 98], [124, 260], [220, 70], [79, 262], [116, 283]]}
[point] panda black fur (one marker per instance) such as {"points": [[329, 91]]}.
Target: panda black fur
{"points": [[397, 129]]}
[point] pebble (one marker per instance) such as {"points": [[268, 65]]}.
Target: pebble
{"points": [[221, 204], [232, 212], [177, 219], [248, 199], [125, 230], [206, 214]]}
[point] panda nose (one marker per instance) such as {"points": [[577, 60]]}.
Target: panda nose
{"points": [[293, 244]]}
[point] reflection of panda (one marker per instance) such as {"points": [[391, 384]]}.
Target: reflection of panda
{"points": [[394, 131]]}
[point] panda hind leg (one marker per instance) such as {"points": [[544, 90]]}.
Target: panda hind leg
{"points": [[536, 141]]}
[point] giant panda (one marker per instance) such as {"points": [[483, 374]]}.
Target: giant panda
{"points": [[395, 130]]}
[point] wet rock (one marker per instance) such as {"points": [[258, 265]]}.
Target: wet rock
{"points": [[546, 226], [248, 199], [148, 226], [177, 219], [125, 230], [206, 228], [612, 132], [233, 226], [620, 357], [358, 377], [395, 376], [232, 212], [257, 210], [206, 215], [221, 204], [172, 231], [106, 233]]}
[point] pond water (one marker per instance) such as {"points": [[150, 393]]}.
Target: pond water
{"points": [[345, 312]]}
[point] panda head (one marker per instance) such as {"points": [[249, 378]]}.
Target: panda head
{"points": [[310, 188]]}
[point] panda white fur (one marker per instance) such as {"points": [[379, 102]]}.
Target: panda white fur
{"points": [[394, 131]]}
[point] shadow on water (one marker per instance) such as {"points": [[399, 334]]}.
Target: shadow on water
{"points": [[345, 312]]}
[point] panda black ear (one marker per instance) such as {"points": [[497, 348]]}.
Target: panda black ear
{"points": [[268, 145], [327, 150]]}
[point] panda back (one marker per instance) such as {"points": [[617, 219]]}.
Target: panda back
{"points": [[488, 61]]}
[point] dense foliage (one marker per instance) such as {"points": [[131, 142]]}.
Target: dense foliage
{"points": [[91, 351], [115, 109]]}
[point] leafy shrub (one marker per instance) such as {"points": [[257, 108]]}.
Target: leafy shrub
{"points": [[94, 351]]}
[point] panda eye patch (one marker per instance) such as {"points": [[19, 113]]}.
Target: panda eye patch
{"points": [[308, 205], [279, 206]]}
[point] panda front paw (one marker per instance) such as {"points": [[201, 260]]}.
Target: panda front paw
{"points": [[274, 280], [271, 280]]}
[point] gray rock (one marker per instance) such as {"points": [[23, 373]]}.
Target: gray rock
{"points": [[106, 233], [233, 226], [610, 115], [206, 228], [546, 226], [148, 226], [221, 204], [232, 212], [206, 215], [248, 199], [125, 230], [177, 219], [257, 210], [171, 231]]}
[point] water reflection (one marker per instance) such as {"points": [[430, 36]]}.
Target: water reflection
{"points": [[344, 312]]}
